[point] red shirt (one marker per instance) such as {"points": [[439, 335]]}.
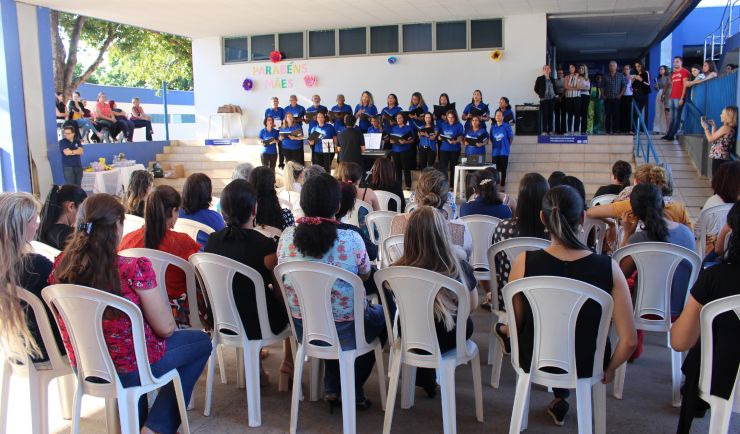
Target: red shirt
{"points": [[175, 243], [677, 79]]}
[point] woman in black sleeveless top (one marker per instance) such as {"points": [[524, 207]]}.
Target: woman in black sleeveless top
{"points": [[562, 213]]}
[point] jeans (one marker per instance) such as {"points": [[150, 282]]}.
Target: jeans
{"points": [[324, 159], [585, 101], [72, 175], [546, 110], [611, 113], [676, 110], [143, 123], [124, 126], [559, 108], [187, 351], [87, 126]]}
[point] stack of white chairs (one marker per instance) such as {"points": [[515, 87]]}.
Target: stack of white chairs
{"points": [[710, 222], [481, 229], [385, 197], [132, 223]]}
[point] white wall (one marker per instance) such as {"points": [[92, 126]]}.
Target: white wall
{"points": [[457, 73]]}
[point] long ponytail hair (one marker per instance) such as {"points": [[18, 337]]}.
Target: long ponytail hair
{"points": [[54, 205], [563, 210], [647, 205], [732, 250], [159, 205], [319, 198]]}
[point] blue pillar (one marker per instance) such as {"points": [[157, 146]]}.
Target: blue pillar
{"points": [[15, 168], [46, 59]]}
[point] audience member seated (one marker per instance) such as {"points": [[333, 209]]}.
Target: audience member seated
{"points": [[58, 215], [714, 283], [140, 119], [525, 223], [383, 177], [60, 108], [577, 184], [726, 187], [76, 112], [562, 214], [269, 211], [139, 186], [427, 245], [450, 197], [311, 171], [161, 212], [196, 205], [91, 260], [352, 173], [21, 269], [104, 118], [621, 173], [292, 183], [317, 238], [123, 124], [555, 178], [242, 171], [240, 242], [487, 201], [346, 204]]}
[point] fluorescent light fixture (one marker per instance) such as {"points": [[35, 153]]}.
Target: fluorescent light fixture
{"points": [[604, 35], [598, 51]]}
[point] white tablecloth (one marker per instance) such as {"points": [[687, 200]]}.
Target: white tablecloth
{"points": [[112, 182]]}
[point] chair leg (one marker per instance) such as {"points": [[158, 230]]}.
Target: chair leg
{"points": [[315, 386], [347, 380], [112, 417], [128, 413], [209, 377], [720, 415], [221, 368], [676, 377], [498, 360], [39, 392], [240, 380], [181, 405], [584, 409], [6, 373], [66, 386], [408, 384], [477, 387], [619, 380], [447, 391], [296, 396], [252, 375], [599, 403], [77, 410], [379, 366], [395, 372], [492, 341], [521, 398]]}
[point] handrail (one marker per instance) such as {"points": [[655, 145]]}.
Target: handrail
{"points": [[639, 129]]}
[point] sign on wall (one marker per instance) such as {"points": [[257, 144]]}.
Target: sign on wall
{"points": [[282, 75], [562, 139]]}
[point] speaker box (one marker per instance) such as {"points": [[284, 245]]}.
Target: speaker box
{"points": [[527, 120]]}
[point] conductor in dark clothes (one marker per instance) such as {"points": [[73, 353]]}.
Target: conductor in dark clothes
{"points": [[351, 142]]}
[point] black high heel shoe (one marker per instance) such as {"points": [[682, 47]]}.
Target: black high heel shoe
{"points": [[333, 400]]}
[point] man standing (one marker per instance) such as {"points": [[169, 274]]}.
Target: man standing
{"points": [[626, 101], [679, 78], [545, 89], [559, 104], [613, 85]]}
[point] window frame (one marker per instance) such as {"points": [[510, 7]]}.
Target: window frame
{"points": [[274, 46], [367, 42], [223, 50], [470, 34], [308, 43], [432, 35], [304, 44]]}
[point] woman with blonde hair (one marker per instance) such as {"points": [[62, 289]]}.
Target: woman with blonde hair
{"points": [[365, 109], [723, 139], [292, 183], [585, 86]]}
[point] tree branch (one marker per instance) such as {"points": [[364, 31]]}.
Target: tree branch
{"points": [[58, 50], [112, 29], [74, 39]]}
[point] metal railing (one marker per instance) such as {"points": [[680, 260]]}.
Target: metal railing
{"points": [[714, 42], [639, 127]]}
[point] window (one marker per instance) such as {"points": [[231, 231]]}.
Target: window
{"points": [[321, 43], [291, 45], [383, 39], [235, 50], [485, 33], [417, 37], [451, 35], [262, 46], [352, 41]]}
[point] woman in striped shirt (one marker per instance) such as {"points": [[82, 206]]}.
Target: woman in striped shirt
{"points": [[572, 86]]}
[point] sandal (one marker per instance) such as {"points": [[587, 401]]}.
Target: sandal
{"points": [[503, 339], [487, 304]]}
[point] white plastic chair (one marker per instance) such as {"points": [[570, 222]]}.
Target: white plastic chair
{"points": [[192, 227], [132, 223], [656, 264], [415, 290], [81, 309], [392, 249], [604, 199], [385, 197], [218, 274], [312, 283], [284, 203], [39, 376], [721, 409], [215, 203], [710, 222], [379, 221], [481, 229], [556, 303], [352, 217], [599, 227], [45, 250], [410, 207], [511, 248]]}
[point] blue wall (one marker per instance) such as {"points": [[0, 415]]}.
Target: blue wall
{"points": [[142, 152], [125, 94]]}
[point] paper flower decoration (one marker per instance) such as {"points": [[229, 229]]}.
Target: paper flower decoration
{"points": [[310, 80], [496, 55], [392, 60], [247, 84], [275, 56]]}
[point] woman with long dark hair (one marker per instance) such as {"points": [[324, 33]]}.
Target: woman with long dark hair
{"points": [[59, 213], [663, 87], [383, 177], [427, 136], [196, 204], [268, 137], [451, 135], [269, 211], [402, 137], [90, 259], [641, 88], [476, 107], [139, 186]]}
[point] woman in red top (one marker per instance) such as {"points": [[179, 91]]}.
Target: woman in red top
{"points": [[90, 259], [140, 118], [160, 214]]}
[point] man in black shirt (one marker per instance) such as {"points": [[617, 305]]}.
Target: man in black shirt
{"points": [[351, 142]]}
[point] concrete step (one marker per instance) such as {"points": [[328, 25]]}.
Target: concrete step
{"points": [[606, 148]]}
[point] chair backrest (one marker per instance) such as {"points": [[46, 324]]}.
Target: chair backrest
{"points": [[215, 203], [392, 249], [556, 303], [511, 248], [708, 313], [192, 227], [415, 290], [599, 227], [131, 223], [217, 273], [45, 250], [160, 261], [604, 199], [81, 310], [285, 203], [710, 222], [385, 197], [353, 217], [410, 207], [481, 229], [379, 225], [447, 209], [312, 284], [656, 264]]}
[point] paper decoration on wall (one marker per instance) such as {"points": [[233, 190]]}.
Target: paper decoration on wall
{"points": [[392, 60], [496, 55], [247, 84], [275, 56], [310, 80]]}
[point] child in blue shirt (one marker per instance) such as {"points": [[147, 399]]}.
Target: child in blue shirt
{"points": [[71, 149], [501, 138]]}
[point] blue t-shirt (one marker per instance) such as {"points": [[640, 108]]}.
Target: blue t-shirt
{"points": [[266, 135], [373, 130], [312, 109], [501, 137], [364, 124], [426, 142], [391, 111], [290, 144], [298, 111], [327, 132], [452, 131], [276, 113], [482, 107], [423, 107], [339, 124], [472, 149], [479, 207], [401, 131], [209, 218], [70, 160]]}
